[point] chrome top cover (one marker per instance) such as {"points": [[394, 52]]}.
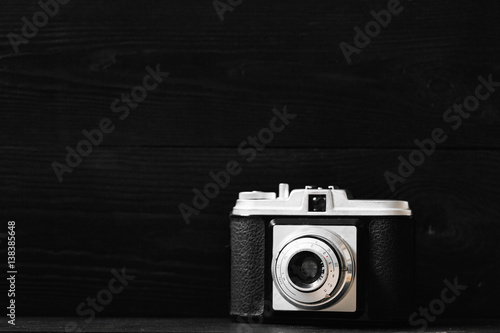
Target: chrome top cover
{"points": [[297, 202]]}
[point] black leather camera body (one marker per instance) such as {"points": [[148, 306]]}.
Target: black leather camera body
{"points": [[315, 254]]}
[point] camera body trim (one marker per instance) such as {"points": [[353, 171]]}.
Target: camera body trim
{"points": [[329, 202]]}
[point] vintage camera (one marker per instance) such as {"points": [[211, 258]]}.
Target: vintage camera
{"points": [[314, 253]]}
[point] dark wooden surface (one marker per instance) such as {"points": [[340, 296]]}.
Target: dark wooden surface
{"points": [[222, 325], [119, 208]]}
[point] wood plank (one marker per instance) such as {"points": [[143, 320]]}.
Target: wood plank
{"points": [[119, 209], [219, 325], [226, 77]]}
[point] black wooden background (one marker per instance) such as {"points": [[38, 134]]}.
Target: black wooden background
{"points": [[119, 208]]}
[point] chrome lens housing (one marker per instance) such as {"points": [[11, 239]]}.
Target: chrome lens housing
{"points": [[313, 269]]}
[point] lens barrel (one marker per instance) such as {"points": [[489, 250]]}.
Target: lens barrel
{"points": [[312, 270]]}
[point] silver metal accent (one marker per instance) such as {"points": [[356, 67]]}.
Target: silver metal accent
{"points": [[297, 203], [257, 195], [284, 191], [306, 244], [335, 290]]}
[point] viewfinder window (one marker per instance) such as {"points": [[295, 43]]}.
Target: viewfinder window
{"points": [[317, 203]]}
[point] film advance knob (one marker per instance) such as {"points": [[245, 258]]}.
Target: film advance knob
{"points": [[257, 195]]}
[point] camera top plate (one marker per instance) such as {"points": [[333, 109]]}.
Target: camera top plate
{"points": [[315, 201]]}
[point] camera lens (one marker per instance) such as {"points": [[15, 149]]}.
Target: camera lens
{"points": [[313, 268], [305, 268]]}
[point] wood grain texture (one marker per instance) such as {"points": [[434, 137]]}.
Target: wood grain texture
{"points": [[119, 209], [222, 325], [226, 77]]}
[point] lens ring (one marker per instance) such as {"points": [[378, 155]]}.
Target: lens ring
{"points": [[338, 268], [327, 283]]}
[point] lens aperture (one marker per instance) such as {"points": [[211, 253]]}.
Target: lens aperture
{"points": [[305, 268]]}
